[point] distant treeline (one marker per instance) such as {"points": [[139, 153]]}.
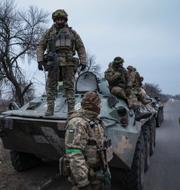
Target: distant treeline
{"points": [[177, 97], [153, 90]]}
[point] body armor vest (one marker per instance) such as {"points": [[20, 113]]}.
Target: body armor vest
{"points": [[61, 40]]}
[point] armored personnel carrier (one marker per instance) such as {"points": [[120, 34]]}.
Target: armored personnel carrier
{"points": [[31, 136]]}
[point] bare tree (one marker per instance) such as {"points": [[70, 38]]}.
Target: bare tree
{"points": [[91, 64], [19, 33], [152, 90]]}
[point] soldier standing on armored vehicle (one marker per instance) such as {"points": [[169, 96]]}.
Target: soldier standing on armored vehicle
{"points": [[119, 83], [86, 147], [61, 43]]}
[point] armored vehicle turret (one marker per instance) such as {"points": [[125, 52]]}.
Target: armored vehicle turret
{"points": [[31, 136]]}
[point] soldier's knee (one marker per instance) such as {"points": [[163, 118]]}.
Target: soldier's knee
{"points": [[116, 90], [119, 92], [68, 85]]}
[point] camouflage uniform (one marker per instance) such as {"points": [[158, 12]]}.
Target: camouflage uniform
{"points": [[61, 44], [118, 80], [84, 136], [135, 81]]}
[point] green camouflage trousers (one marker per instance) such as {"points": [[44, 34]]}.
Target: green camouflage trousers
{"points": [[128, 95], [67, 75]]}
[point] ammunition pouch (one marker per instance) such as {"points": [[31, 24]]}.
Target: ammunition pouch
{"points": [[64, 167], [75, 61]]}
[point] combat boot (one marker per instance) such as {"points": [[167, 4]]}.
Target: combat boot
{"points": [[50, 109]]}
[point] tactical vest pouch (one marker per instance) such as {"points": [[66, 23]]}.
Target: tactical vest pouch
{"points": [[91, 156], [63, 41], [61, 60], [75, 61], [64, 167]]}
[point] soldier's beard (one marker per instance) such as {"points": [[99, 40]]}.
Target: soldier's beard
{"points": [[61, 24]]}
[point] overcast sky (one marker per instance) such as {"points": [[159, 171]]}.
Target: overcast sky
{"points": [[146, 33]]}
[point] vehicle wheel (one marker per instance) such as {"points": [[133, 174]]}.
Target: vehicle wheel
{"points": [[23, 161], [146, 135], [133, 179], [152, 136]]}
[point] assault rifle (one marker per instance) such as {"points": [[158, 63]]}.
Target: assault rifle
{"points": [[51, 62], [104, 174]]}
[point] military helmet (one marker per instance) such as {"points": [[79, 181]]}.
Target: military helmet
{"points": [[60, 13], [118, 60], [130, 68], [91, 101]]}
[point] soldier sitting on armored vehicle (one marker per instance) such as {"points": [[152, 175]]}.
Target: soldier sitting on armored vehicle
{"points": [[135, 83], [119, 84]]}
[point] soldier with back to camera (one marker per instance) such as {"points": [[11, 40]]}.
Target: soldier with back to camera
{"points": [[61, 43], [86, 147]]}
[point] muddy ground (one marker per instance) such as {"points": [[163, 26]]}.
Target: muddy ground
{"points": [[36, 178], [29, 180]]}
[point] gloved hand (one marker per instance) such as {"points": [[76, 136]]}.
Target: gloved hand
{"points": [[40, 65], [83, 66], [87, 187]]}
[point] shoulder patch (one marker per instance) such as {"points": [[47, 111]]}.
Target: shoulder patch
{"points": [[70, 135], [71, 130]]}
